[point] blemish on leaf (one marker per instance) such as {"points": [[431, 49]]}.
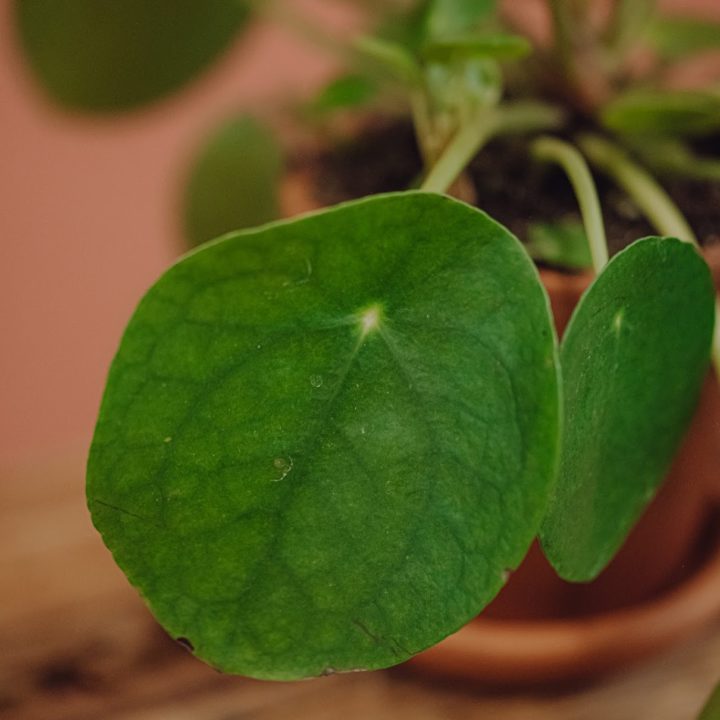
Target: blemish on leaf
{"points": [[285, 466], [364, 629], [167, 439], [316, 380], [305, 278], [185, 643], [618, 321]]}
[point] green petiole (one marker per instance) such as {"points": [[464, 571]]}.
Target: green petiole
{"points": [[573, 163], [508, 119]]}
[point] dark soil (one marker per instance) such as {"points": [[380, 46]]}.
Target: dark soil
{"points": [[511, 187]]}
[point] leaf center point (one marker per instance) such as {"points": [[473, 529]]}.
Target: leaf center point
{"points": [[370, 319]]}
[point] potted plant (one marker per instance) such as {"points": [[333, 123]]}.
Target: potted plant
{"points": [[327, 443]]}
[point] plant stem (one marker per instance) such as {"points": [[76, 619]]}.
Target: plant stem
{"points": [[573, 163], [652, 200], [508, 119], [562, 34], [459, 152], [423, 125]]}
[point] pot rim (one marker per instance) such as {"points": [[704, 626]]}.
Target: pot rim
{"points": [[532, 651]]}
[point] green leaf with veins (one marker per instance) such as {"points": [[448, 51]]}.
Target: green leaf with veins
{"points": [[455, 17], [633, 360], [674, 38], [562, 243], [323, 442], [682, 113], [104, 56], [496, 46], [234, 181]]}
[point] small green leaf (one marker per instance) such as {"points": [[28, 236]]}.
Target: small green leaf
{"points": [[711, 711], [346, 91], [110, 55], [562, 243], [234, 181], [324, 441], [455, 17], [464, 85], [495, 46], [633, 360], [677, 37], [664, 113], [392, 57]]}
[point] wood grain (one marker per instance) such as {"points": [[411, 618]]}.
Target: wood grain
{"points": [[76, 643]]}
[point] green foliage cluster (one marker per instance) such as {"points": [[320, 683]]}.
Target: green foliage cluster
{"points": [[325, 442]]}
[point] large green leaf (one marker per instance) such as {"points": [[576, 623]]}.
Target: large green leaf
{"points": [[633, 360], [108, 55], [234, 182], [323, 442]]}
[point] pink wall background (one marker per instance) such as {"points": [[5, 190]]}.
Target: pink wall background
{"points": [[89, 219]]}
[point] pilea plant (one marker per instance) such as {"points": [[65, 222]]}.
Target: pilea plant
{"points": [[326, 442]]}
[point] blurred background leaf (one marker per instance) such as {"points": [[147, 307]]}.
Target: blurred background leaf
{"points": [[234, 181], [674, 38], [111, 55], [711, 711], [563, 243], [453, 17], [681, 113], [346, 91]]}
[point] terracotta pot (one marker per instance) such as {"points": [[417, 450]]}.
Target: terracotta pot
{"points": [[662, 586]]}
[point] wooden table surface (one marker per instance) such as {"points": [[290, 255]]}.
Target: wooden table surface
{"points": [[76, 643]]}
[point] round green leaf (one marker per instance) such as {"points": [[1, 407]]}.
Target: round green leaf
{"points": [[234, 181], [109, 55], [323, 442], [633, 360]]}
